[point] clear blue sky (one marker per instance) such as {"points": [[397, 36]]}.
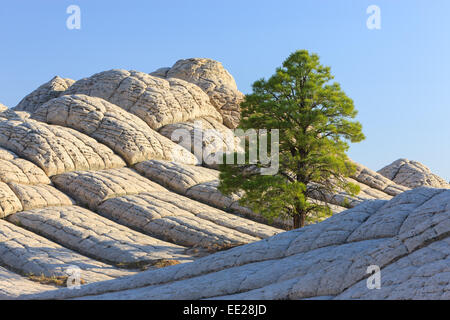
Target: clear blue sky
{"points": [[398, 76]]}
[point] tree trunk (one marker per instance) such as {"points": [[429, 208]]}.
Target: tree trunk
{"points": [[299, 220]]}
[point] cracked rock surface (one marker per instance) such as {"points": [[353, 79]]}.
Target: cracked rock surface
{"points": [[92, 176], [123, 132], [55, 149], [413, 174], [97, 237], [217, 82], [12, 285], [49, 90], [155, 100], [407, 237], [211, 138], [30, 254]]}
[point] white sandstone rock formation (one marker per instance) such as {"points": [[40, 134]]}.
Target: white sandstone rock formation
{"points": [[52, 89], [55, 149], [217, 82], [91, 176], [205, 137], [155, 100], [97, 237], [12, 285], [413, 174], [123, 132], [407, 237]]}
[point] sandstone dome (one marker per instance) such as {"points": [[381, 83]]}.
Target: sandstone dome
{"points": [[92, 176]]}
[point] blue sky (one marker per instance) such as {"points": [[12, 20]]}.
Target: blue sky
{"points": [[398, 76]]}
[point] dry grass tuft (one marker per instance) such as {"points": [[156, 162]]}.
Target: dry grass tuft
{"points": [[59, 281]]}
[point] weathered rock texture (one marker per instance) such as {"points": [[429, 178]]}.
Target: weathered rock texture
{"points": [[407, 237], [9, 203], [3, 107], [207, 138], [155, 100], [97, 237], [217, 82], [201, 184], [29, 254], [413, 174], [12, 285], [55, 149], [123, 132], [129, 198], [44, 93], [91, 177]]}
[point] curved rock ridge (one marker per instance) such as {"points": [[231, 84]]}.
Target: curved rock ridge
{"points": [[377, 180], [17, 170], [89, 177], [197, 183], [123, 132], [25, 186], [91, 188], [407, 237], [178, 220], [217, 82], [9, 203], [211, 138], [49, 90], [39, 196], [155, 100], [201, 184], [413, 174], [94, 236], [130, 199], [52, 214], [55, 149], [29, 254], [13, 285]]}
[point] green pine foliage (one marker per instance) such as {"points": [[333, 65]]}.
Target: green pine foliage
{"points": [[314, 118]]}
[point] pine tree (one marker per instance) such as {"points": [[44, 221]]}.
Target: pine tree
{"points": [[314, 118]]}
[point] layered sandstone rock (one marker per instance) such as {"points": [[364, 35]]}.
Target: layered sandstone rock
{"points": [[217, 82], [127, 197], [156, 101], [30, 254], [55, 149], [9, 203], [202, 184], [207, 138], [412, 174], [406, 237], [12, 285], [123, 132], [92, 176], [44, 93], [97, 237]]}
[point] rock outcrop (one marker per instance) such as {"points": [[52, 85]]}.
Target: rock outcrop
{"points": [[413, 174], [155, 100], [52, 89], [93, 176], [123, 132], [217, 82], [407, 238], [207, 138]]}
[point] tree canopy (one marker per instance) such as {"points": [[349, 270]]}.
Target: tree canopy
{"points": [[315, 122]]}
